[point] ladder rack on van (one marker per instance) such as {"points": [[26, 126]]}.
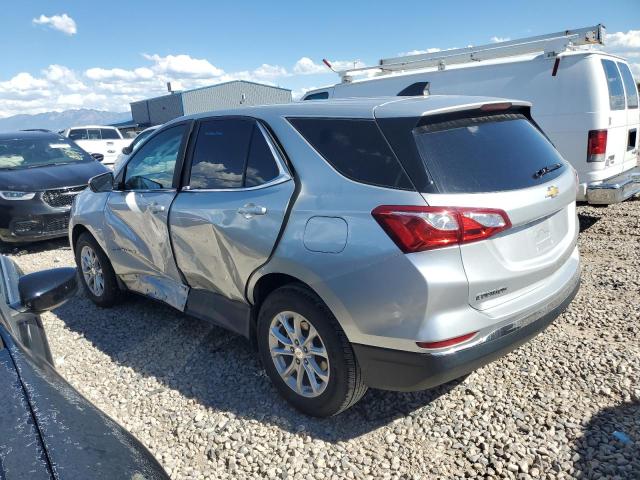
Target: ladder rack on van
{"points": [[551, 44]]}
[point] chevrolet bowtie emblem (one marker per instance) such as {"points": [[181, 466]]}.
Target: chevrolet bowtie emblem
{"points": [[552, 192]]}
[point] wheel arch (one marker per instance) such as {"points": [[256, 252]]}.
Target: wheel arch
{"points": [[78, 230], [260, 288]]}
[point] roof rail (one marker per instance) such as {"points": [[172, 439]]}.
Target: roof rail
{"points": [[551, 44]]}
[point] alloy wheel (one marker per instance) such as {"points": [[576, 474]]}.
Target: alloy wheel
{"points": [[92, 270], [299, 354]]}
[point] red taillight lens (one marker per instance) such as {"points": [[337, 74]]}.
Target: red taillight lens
{"points": [[596, 145], [415, 228], [447, 343]]}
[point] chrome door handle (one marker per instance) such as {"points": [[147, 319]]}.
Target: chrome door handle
{"points": [[249, 210], [155, 208]]}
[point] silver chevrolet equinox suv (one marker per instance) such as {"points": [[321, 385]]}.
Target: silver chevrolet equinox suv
{"points": [[393, 243]]}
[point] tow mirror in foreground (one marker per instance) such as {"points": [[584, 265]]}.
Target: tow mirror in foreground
{"points": [[102, 182], [127, 150], [48, 289]]}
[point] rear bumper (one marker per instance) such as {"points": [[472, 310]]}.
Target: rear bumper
{"points": [[616, 189], [399, 370]]}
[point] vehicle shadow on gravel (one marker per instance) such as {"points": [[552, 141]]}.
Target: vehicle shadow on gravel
{"points": [[218, 369], [35, 247], [610, 447], [587, 221]]}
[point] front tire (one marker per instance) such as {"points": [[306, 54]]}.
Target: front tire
{"points": [[306, 354], [96, 273]]}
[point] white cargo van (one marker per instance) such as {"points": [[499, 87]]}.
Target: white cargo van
{"points": [[586, 101]]}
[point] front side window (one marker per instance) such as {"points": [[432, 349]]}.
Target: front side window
{"points": [[153, 165], [78, 134], [629, 85], [614, 84]]}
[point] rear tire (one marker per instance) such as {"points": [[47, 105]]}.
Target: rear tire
{"points": [[331, 380], [96, 273]]}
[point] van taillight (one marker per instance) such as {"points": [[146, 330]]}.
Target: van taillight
{"points": [[415, 228], [596, 145]]}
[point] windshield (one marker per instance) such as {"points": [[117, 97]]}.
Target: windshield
{"points": [[19, 153]]}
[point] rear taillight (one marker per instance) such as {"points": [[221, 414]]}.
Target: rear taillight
{"points": [[596, 145], [415, 228]]}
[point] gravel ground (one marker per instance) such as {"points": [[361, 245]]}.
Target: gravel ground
{"points": [[197, 397]]}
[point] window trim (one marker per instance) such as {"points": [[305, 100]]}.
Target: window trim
{"points": [[284, 174], [175, 183]]}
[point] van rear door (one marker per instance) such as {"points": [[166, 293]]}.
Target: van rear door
{"points": [[633, 116], [617, 156]]}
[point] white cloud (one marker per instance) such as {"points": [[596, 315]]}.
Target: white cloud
{"points": [[23, 82], [102, 74], [623, 40], [58, 87], [60, 75], [500, 39], [346, 64], [63, 23], [270, 72], [184, 65], [420, 52], [306, 66], [627, 45]]}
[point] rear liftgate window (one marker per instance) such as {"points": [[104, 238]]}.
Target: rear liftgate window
{"points": [[487, 154], [356, 149]]}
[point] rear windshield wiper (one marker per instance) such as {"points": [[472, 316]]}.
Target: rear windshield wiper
{"points": [[548, 169]]}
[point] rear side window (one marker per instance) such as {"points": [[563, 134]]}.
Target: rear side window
{"points": [[93, 134], [614, 83], [261, 166], [629, 85], [486, 154], [355, 148], [109, 134]]}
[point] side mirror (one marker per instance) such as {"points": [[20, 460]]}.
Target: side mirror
{"points": [[102, 183], [127, 150], [48, 289]]}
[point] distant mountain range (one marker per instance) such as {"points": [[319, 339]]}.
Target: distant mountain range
{"points": [[60, 120]]}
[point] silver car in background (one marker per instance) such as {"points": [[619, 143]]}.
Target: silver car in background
{"points": [[394, 243]]}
